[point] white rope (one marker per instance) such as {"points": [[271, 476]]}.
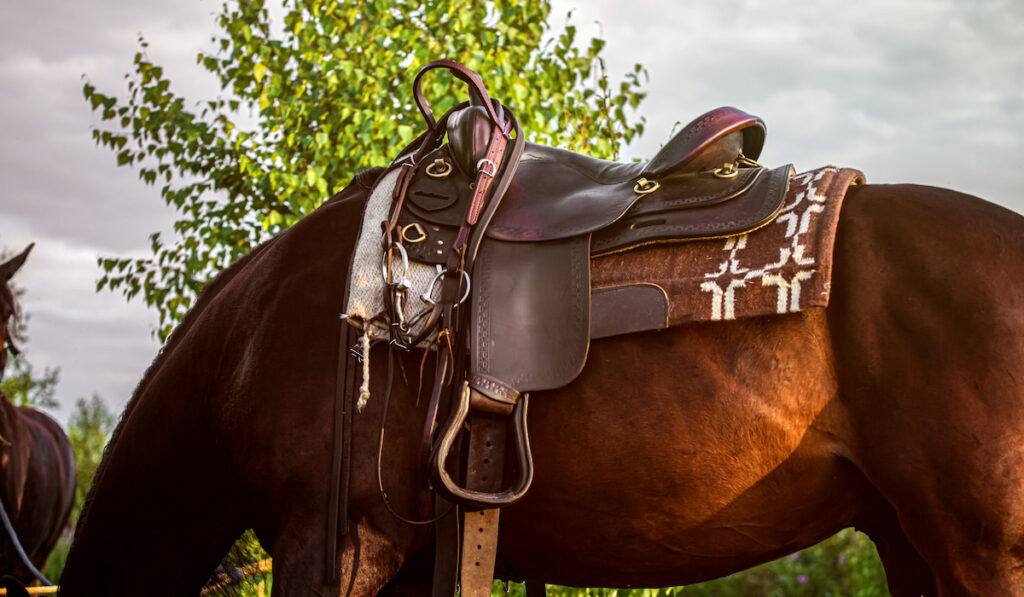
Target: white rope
{"points": [[364, 389]]}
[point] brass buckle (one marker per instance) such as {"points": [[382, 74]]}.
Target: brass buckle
{"points": [[439, 168], [644, 186], [415, 227]]}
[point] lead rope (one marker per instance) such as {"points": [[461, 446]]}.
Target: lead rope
{"points": [[18, 548]]}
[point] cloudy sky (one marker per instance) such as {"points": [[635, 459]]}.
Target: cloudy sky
{"points": [[925, 91]]}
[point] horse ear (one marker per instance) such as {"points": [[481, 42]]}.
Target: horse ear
{"points": [[14, 264]]}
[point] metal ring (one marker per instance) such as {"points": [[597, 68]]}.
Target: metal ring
{"points": [[743, 160], [644, 186], [726, 171], [384, 262], [425, 297], [415, 226], [439, 168], [480, 167]]}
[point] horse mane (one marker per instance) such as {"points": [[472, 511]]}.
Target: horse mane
{"points": [[7, 296], [363, 181], [10, 295]]}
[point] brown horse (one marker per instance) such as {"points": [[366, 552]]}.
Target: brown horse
{"points": [[37, 467], [676, 457]]}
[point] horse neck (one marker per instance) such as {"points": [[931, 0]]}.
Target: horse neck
{"points": [[14, 454], [169, 494], [160, 503]]}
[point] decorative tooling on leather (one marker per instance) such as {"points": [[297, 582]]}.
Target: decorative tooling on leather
{"points": [[749, 207], [531, 317]]}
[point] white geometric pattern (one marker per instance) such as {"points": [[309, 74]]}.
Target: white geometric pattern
{"points": [[733, 272]]}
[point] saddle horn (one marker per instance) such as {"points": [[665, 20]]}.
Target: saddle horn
{"points": [[477, 92]]}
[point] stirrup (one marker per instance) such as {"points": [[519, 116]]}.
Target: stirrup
{"points": [[450, 490]]}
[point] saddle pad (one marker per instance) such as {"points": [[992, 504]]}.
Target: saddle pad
{"points": [[366, 292], [783, 267]]}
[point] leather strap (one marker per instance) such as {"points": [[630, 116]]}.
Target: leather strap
{"points": [[479, 551], [446, 552], [485, 467], [476, 89], [485, 176], [341, 457], [509, 166]]}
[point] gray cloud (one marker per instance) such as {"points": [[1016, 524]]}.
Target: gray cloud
{"points": [[923, 91]]}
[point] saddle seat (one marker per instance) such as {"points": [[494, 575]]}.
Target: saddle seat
{"points": [[556, 194]]}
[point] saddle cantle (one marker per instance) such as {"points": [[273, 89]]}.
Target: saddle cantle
{"points": [[505, 231]]}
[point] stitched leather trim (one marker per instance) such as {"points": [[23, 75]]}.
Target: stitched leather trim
{"points": [[493, 389]]}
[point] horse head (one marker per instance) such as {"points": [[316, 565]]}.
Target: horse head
{"points": [[8, 306]]}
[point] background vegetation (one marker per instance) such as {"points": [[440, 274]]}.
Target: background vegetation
{"points": [[318, 94], [89, 427], [307, 99], [844, 565]]}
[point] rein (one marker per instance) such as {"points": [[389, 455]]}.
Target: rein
{"points": [[494, 145], [17, 545]]}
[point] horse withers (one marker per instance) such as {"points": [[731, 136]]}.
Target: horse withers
{"points": [[37, 466]]}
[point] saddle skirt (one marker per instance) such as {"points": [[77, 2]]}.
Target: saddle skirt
{"points": [[782, 267]]}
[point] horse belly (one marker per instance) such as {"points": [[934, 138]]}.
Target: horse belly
{"points": [[684, 455]]}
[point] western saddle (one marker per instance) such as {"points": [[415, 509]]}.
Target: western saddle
{"points": [[510, 227]]}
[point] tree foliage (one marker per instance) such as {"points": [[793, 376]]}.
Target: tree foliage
{"points": [[311, 98], [20, 382], [89, 429], [21, 385]]}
